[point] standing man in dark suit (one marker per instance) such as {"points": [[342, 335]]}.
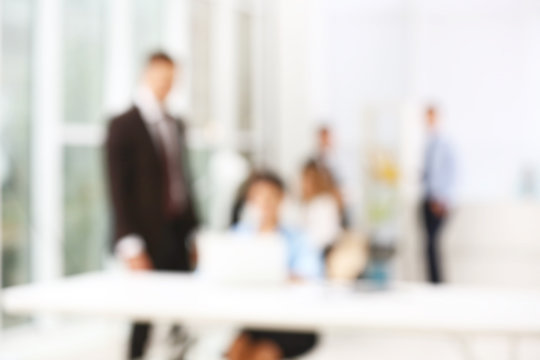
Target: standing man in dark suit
{"points": [[438, 183], [153, 207]]}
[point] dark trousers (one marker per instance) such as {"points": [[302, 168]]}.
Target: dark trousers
{"points": [[433, 224], [170, 255], [291, 344]]}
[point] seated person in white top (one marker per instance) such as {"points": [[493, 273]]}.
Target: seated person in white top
{"points": [[321, 209], [264, 194]]}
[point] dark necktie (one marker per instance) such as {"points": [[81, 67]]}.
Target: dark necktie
{"points": [[174, 190]]}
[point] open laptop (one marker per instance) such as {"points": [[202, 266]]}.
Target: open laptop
{"points": [[241, 259]]}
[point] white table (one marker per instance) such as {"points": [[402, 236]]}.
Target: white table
{"points": [[171, 297]]}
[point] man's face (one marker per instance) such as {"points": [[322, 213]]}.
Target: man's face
{"points": [[325, 139], [159, 78], [431, 120], [266, 197]]}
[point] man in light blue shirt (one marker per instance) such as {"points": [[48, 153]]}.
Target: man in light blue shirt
{"points": [[438, 184]]}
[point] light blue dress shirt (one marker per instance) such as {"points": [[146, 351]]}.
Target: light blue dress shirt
{"points": [[303, 259], [439, 170]]}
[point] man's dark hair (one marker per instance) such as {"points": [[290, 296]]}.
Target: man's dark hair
{"points": [[159, 56], [431, 108], [324, 129]]}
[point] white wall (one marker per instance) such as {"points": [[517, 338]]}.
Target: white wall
{"points": [[293, 122], [480, 62], [494, 244], [477, 60]]}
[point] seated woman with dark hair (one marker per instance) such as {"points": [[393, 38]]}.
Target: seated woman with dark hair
{"points": [[264, 194]]}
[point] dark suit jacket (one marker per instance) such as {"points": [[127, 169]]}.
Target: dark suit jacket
{"points": [[136, 181]]}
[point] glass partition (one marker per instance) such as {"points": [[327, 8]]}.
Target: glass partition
{"points": [[15, 141]]}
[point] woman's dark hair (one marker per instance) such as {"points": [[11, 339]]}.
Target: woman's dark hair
{"points": [[267, 177], [311, 164], [255, 177]]}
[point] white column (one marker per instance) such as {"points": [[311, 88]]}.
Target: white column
{"points": [[1, 217], [224, 89], [120, 63], [176, 27], [318, 41], [266, 76], [294, 129], [176, 35], [46, 185], [258, 80]]}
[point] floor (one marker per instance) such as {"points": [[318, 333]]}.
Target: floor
{"points": [[106, 341]]}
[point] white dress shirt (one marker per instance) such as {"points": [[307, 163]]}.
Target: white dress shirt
{"points": [[439, 170]]}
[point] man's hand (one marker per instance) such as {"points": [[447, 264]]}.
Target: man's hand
{"points": [[295, 279], [194, 257], [438, 208], [140, 262]]}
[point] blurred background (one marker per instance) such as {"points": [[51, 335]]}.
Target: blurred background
{"points": [[259, 78]]}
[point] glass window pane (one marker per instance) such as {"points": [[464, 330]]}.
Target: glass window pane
{"points": [[83, 57], [199, 160], [147, 29], [15, 141], [85, 211]]}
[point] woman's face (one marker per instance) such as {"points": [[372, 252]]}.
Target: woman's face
{"points": [[266, 197], [308, 184]]}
